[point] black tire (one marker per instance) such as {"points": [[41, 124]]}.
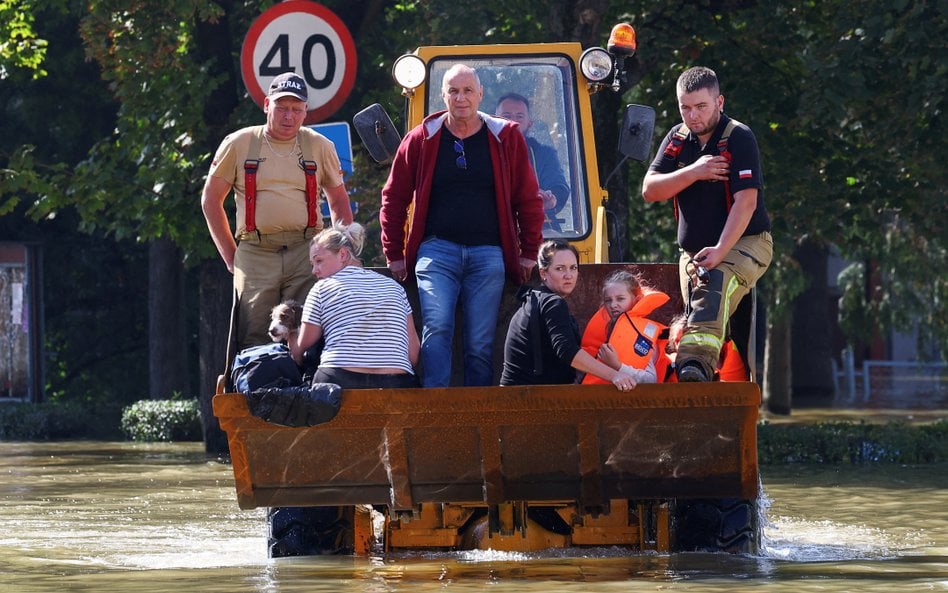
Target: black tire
{"points": [[717, 525], [309, 531]]}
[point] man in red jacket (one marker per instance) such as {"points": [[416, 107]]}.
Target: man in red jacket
{"points": [[476, 216]]}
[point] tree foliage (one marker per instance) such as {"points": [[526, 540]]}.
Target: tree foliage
{"points": [[20, 47], [846, 99], [847, 102]]}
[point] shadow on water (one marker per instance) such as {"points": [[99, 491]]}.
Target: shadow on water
{"points": [[93, 516]]}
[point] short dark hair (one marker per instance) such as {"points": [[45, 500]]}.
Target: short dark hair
{"points": [[697, 78], [515, 97], [549, 249]]}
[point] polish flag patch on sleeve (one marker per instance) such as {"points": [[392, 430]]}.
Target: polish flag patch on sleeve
{"points": [[745, 174]]}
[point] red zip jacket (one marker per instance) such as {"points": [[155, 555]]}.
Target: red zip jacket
{"points": [[519, 205]]}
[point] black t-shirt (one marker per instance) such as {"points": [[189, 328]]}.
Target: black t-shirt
{"points": [[463, 204], [702, 206], [558, 342]]}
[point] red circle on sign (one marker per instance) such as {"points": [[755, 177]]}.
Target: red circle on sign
{"points": [[249, 71]]}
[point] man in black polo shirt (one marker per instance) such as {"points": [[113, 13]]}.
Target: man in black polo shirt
{"points": [[710, 166]]}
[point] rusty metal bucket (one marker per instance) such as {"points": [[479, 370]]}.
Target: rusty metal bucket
{"points": [[583, 443]]}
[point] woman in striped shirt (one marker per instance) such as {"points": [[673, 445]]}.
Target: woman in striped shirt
{"points": [[364, 317]]}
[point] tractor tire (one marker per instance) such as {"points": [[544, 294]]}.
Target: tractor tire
{"points": [[310, 531], [717, 525]]}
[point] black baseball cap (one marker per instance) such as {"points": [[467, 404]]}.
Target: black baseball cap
{"points": [[288, 84]]}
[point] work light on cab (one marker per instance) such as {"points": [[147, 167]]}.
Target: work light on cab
{"points": [[409, 72], [595, 64]]}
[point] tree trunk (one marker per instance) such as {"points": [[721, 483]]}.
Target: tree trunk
{"points": [[217, 289], [812, 328], [167, 348], [778, 374], [214, 44]]}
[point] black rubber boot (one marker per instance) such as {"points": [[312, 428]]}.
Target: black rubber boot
{"points": [[692, 372]]}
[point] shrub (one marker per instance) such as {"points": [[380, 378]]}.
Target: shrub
{"points": [[162, 420], [849, 442], [22, 421]]}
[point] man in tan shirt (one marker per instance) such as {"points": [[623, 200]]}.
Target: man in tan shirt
{"points": [[269, 252]]}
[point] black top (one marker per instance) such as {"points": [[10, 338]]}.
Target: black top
{"points": [[463, 206], [550, 176], [702, 206], [558, 341]]}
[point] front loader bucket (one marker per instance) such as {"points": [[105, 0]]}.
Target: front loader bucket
{"points": [[583, 443]]}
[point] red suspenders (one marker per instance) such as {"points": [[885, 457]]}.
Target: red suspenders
{"points": [[312, 193], [250, 182], [250, 194]]}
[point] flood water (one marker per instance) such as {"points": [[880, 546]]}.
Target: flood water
{"points": [[116, 517]]}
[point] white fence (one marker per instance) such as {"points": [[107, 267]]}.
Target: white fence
{"points": [[892, 383]]}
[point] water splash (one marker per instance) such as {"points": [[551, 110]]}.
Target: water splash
{"points": [[803, 540]]}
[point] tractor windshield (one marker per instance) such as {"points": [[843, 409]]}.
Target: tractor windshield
{"points": [[548, 85]]}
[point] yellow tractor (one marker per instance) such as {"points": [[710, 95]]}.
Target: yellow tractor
{"points": [[665, 467]]}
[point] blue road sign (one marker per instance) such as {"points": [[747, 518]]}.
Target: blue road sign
{"points": [[338, 133]]}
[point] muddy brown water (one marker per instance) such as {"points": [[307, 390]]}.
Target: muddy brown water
{"points": [[116, 516]]}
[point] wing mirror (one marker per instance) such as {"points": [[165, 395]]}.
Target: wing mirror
{"points": [[635, 137], [377, 132]]}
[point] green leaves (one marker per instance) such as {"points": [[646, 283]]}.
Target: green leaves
{"points": [[850, 442], [25, 176], [162, 420], [847, 101], [20, 47]]}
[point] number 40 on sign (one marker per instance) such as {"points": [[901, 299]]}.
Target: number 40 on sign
{"points": [[306, 38]]}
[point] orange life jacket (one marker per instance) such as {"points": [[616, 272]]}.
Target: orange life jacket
{"points": [[634, 335], [730, 367]]}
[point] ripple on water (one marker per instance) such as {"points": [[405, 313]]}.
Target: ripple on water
{"points": [[800, 540]]}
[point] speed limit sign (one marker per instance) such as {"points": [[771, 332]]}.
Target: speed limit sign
{"points": [[306, 38]]}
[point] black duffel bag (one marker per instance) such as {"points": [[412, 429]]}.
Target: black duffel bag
{"points": [[296, 405], [268, 365]]}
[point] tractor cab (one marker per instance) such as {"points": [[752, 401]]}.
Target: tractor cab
{"points": [[546, 87]]}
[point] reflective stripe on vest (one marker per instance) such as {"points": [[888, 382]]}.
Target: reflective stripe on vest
{"points": [[250, 180]]}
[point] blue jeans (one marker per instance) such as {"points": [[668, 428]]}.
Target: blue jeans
{"points": [[447, 272]]}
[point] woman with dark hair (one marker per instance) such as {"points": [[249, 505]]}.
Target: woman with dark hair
{"points": [[542, 345]]}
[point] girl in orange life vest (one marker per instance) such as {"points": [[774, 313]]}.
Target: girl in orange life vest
{"points": [[621, 335], [731, 366]]}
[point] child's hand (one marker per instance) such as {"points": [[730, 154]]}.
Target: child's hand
{"points": [[609, 356]]}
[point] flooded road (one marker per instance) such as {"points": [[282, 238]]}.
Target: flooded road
{"points": [[111, 517]]}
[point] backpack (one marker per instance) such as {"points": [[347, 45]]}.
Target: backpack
{"points": [[268, 365]]}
